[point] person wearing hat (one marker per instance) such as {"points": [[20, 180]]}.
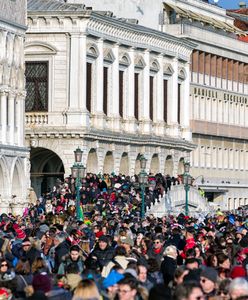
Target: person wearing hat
{"points": [[110, 284], [102, 251], [208, 281]]}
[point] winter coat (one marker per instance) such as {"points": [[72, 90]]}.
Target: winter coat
{"points": [[103, 256], [120, 260], [67, 261], [61, 251], [168, 268]]}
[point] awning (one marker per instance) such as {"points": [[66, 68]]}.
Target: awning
{"points": [[214, 190], [186, 13]]}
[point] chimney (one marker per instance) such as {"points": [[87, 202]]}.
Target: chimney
{"points": [[242, 4]]}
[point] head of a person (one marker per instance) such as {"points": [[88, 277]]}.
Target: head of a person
{"points": [[74, 252], [212, 260], [179, 274], [189, 291], [142, 273], [190, 253], [171, 251], [120, 251], [127, 288], [238, 287], [86, 289], [191, 263], [38, 265], [223, 290], [72, 268], [158, 242], [26, 245], [208, 279], [59, 238], [4, 265], [23, 267], [103, 242], [223, 261]]}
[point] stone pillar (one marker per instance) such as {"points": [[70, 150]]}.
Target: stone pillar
{"points": [[173, 100], [159, 101], [77, 113], [3, 105], [114, 118], [185, 106], [129, 121], [98, 117], [11, 118], [20, 115], [144, 118]]}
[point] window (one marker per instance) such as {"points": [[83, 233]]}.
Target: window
{"points": [[105, 90], [151, 98], [165, 99], [37, 86], [179, 103], [136, 95], [88, 86], [121, 82]]}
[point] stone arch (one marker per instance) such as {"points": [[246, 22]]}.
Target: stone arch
{"points": [[154, 65], [92, 162], [154, 167], [169, 166], [182, 74], [180, 166], [40, 47], [137, 165], [92, 51], [124, 164], [108, 164], [16, 188], [125, 60], [46, 168], [3, 182]]}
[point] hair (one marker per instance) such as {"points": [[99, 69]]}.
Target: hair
{"points": [[38, 265], [179, 271], [86, 290], [210, 260], [190, 252], [72, 268], [75, 248], [131, 281], [153, 265], [184, 290], [4, 260], [239, 284], [120, 250], [221, 257], [170, 250], [23, 267], [191, 260]]}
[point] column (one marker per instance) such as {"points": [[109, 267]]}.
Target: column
{"points": [[185, 105], [114, 97], [11, 118], [145, 123], [98, 116], [3, 105], [129, 121], [20, 113], [77, 113], [159, 105], [172, 99]]}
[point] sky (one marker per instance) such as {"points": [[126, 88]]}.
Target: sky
{"points": [[230, 3]]}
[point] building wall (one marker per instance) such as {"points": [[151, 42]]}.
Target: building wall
{"points": [[14, 156], [91, 116]]}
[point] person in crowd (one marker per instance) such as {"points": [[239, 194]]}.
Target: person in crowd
{"points": [[189, 291], [208, 281], [73, 257], [142, 277], [86, 289], [169, 264]]}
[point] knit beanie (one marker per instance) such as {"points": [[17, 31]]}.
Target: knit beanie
{"points": [[237, 271], [210, 273], [42, 282]]}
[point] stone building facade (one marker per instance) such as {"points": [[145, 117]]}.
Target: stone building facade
{"points": [[218, 90], [107, 85], [14, 156]]}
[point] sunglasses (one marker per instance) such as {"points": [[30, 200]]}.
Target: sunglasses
{"points": [[157, 242], [222, 292], [4, 265]]}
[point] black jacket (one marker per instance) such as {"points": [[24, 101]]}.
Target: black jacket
{"points": [[103, 256], [168, 268]]}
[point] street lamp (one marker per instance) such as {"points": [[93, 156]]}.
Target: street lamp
{"points": [[187, 181], [78, 172], [143, 179]]}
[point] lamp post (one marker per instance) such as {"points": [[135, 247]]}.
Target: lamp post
{"points": [[143, 179], [187, 180], [78, 172]]}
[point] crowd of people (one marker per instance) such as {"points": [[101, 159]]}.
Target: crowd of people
{"points": [[111, 253]]}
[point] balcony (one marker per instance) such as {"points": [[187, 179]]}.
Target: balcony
{"points": [[34, 119]]}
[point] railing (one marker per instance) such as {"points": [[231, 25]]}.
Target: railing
{"points": [[174, 203], [33, 119]]}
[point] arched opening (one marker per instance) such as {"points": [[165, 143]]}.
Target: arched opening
{"points": [[154, 169], [124, 164], [108, 165], [181, 166], [46, 168], [168, 170], [2, 182], [92, 162], [16, 190], [137, 165]]}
